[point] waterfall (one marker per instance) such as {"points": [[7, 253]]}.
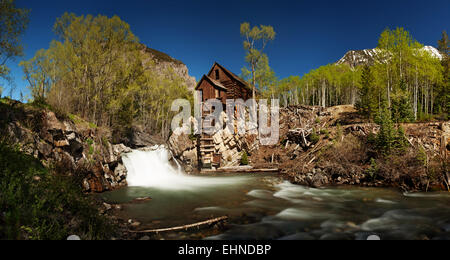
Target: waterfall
{"points": [[151, 168]]}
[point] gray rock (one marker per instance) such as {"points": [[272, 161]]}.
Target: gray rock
{"points": [[107, 206], [71, 136], [119, 149], [120, 171], [73, 237], [44, 149], [139, 138], [146, 238]]}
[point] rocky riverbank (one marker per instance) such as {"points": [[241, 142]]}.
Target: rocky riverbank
{"points": [[66, 144], [229, 146], [332, 146]]}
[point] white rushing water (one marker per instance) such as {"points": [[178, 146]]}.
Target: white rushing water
{"points": [[152, 169]]}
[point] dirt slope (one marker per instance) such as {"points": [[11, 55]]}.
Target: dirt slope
{"points": [[332, 146]]}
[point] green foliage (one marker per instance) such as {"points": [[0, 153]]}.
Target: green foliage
{"points": [[368, 101], [74, 118], [386, 136], [314, 137], [13, 22], [255, 41], [324, 132], [400, 105], [389, 139], [98, 70], [37, 204], [91, 147], [38, 74], [422, 156], [265, 78], [410, 81], [372, 172], [244, 158]]}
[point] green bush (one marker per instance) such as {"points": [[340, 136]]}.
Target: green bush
{"points": [[314, 137], [324, 132], [244, 158], [39, 205], [389, 139], [372, 172]]}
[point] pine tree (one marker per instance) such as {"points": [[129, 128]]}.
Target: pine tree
{"points": [[366, 104], [401, 106], [444, 97], [386, 136]]}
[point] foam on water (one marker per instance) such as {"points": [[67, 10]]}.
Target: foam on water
{"points": [[152, 169]]}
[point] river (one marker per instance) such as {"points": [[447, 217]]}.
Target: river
{"points": [[264, 206]]}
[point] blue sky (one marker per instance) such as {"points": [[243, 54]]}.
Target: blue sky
{"points": [[197, 32]]}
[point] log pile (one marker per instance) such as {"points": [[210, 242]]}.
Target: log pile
{"points": [[299, 136]]}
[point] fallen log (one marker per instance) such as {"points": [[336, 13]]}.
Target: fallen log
{"points": [[185, 227]]}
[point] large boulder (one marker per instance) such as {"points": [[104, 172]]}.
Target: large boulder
{"points": [[139, 138], [180, 143]]}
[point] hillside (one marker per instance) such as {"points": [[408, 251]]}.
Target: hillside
{"points": [[320, 147]]}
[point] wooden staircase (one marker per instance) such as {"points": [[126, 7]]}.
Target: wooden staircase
{"points": [[208, 157]]}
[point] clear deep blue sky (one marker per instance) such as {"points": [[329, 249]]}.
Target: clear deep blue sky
{"points": [[197, 32]]}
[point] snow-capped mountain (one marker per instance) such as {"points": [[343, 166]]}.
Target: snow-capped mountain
{"points": [[433, 51], [358, 58], [368, 56]]}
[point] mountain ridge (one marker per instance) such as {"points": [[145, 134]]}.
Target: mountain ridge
{"points": [[356, 58], [163, 61]]}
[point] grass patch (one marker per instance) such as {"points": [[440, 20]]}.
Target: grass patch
{"points": [[78, 121], [39, 205]]}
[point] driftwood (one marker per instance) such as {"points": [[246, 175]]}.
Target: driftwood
{"points": [[299, 136], [185, 227]]}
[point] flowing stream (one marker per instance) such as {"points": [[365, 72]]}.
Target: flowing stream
{"points": [[263, 206]]}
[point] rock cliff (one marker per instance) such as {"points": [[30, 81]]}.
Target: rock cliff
{"points": [[163, 62], [67, 145]]}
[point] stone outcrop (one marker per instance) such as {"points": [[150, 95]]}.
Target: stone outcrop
{"points": [[67, 147], [163, 62], [140, 138], [226, 143]]}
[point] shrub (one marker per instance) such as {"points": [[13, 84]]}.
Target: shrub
{"points": [[389, 139], [372, 172], [244, 158], [324, 132], [314, 137]]}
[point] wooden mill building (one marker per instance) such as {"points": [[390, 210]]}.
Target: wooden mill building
{"points": [[222, 84]]}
